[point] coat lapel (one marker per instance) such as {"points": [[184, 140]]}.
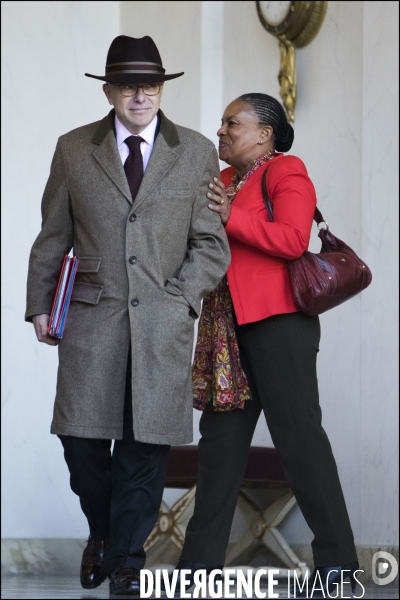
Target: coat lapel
{"points": [[164, 155], [162, 158], [107, 155]]}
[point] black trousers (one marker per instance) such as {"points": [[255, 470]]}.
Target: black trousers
{"points": [[120, 493], [278, 355]]}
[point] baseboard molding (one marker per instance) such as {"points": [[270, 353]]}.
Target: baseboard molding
{"points": [[63, 556]]}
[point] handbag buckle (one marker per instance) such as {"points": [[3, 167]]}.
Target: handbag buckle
{"points": [[319, 225]]}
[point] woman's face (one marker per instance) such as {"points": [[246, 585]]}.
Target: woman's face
{"points": [[241, 138]]}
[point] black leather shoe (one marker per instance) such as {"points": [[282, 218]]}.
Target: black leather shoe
{"points": [[125, 581], [330, 578], [193, 567], [92, 573]]}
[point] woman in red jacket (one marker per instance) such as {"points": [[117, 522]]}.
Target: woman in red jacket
{"points": [[252, 314]]}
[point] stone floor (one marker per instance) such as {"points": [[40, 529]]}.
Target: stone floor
{"points": [[69, 587]]}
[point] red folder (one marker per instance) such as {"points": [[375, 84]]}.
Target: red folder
{"points": [[62, 296]]}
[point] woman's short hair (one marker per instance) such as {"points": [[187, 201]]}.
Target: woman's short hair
{"points": [[270, 112]]}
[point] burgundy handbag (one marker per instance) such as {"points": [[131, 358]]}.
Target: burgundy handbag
{"points": [[325, 280]]}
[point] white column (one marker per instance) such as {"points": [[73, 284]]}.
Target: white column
{"points": [[379, 303], [47, 48], [211, 74]]}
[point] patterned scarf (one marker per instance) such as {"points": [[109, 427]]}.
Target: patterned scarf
{"points": [[218, 376]]}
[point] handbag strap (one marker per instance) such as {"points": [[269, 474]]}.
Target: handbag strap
{"points": [[318, 218]]}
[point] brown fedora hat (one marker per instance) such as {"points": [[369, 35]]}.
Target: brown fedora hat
{"points": [[134, 60]]}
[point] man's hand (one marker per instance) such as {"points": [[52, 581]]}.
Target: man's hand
{"points": [[41, 323]]}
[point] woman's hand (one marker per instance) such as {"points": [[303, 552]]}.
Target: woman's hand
{"points": [[222, 204]]}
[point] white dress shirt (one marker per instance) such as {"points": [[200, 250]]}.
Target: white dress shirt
{"points": [[146, 146]]}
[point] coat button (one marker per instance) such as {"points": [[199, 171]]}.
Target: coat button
{"points": [[132, 218], [133, 260], [135, 302]]}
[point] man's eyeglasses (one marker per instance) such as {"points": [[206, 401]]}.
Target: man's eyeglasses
{"points": [[131, 89]]}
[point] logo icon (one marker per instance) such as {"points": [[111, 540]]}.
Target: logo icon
{"points": [[384, 568]]}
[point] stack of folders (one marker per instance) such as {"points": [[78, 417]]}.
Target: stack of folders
{"points": [[62, 296]]}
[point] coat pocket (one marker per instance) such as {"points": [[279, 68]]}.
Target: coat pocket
{"points": [[86, 292], [178, 299], [88, 265], [176, 294]]}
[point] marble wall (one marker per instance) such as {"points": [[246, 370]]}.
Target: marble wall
{"points": [[346, 133]]}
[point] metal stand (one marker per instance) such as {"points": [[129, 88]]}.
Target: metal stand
{"points": [[262, 529], [172, 522]]}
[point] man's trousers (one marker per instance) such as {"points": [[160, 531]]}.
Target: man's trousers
{"points": [[120, 492], [278, 355]]}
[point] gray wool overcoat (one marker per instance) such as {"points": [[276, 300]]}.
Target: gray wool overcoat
{"points": [[143, 270]]}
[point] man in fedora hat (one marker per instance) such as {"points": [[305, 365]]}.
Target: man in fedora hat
{"points": [[128, 195]]}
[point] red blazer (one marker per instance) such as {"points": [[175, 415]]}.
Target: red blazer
{"points": [[258, 276]]}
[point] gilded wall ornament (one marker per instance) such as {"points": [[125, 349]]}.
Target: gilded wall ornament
{"points": [[295, 24]]}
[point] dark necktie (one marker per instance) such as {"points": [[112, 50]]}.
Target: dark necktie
{"points": [[134, 164]]}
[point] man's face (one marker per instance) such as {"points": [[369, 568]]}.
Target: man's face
{"points": [[135, 112]]}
